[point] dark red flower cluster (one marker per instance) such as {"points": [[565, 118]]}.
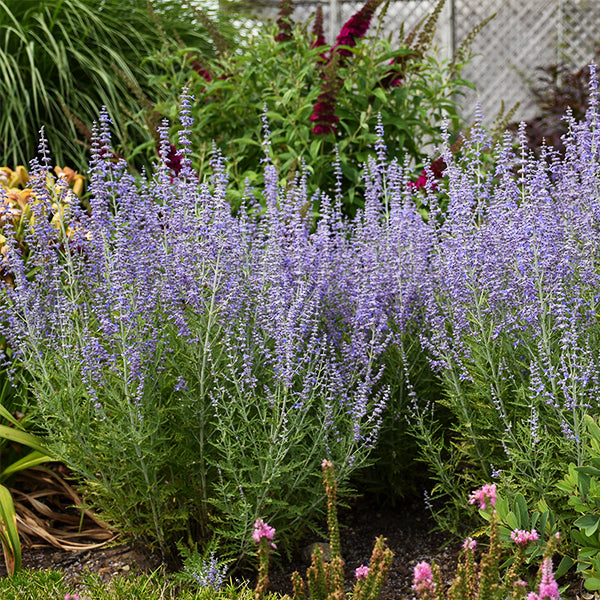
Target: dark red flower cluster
{"points": [[355, 27], [202, 71], [318, 35], [436, 169], [173, 160], [284, 22], [323, 115], [393, 76]]}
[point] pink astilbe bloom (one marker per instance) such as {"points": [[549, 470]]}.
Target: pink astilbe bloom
{"points": [[361, 572], [523, 537], [262, 530], [423, 578], [356, 27], [483, 495], [548, 588]]}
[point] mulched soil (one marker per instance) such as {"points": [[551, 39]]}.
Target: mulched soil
{"points": [[408, 528]]}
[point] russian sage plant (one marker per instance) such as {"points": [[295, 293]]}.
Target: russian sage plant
{"points": [[188, 364], [511, 300]]}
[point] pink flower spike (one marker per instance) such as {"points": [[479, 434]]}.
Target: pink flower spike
{"points": [[469, 544], [522, 537], [262, 530], [361, 572], [548, 588], [483, 495], [423, 578]]}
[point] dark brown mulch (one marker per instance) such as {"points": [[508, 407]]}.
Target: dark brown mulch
{"points": [[408, 529]]}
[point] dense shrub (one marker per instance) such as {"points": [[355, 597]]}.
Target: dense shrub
{"points": [[322, 103], [511, 309], [184, 361]]}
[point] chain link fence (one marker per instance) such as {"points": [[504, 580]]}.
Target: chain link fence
{"points": [[505, 54]]}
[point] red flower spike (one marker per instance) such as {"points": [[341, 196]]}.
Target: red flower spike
{"points": [[323, 115], [356, 27], [284, 22], [318, 35]]}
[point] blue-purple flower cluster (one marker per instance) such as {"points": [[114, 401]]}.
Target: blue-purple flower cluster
{"points": [[251, 345]]}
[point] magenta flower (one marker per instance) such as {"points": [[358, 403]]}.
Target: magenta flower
{"points": [[469, 544], [361, 572], [355, 27], [483, 495], [436, 169], [423, 578], [262, 530], [522, 537]]}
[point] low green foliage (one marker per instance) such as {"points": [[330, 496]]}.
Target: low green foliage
{"points": [[582, 484], [51, 585]]}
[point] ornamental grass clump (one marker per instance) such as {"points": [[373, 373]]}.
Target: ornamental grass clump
{"points": [[187, 363], [62, 60]]}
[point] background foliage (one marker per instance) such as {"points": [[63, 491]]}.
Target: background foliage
{"points": [[62, 60]]}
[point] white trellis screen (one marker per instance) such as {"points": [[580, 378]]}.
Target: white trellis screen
{"points": [[523, 35]]}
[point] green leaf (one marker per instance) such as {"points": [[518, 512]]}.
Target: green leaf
{"points": [[9, 535], [22, 437], [589, 523], [521, 511], [592, 427], [31, 460], [588, 470], [565, 564], [379, 93], [4, 412], [512, 520], [592, 584]]}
